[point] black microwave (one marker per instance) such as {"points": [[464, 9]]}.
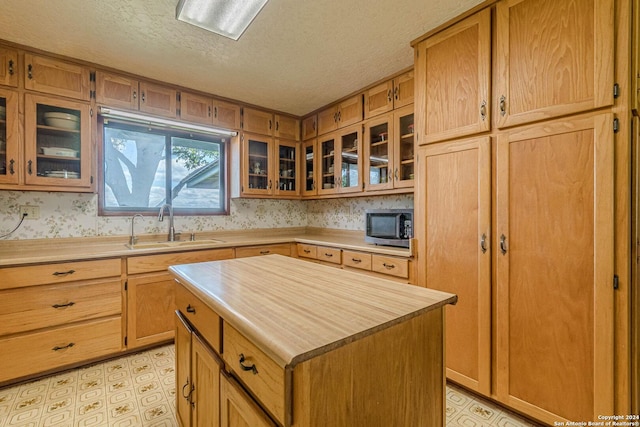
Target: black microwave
{"points": [[391, 227]]}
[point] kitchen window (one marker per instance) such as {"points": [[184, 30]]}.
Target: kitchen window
{"points": [[145, 167]]}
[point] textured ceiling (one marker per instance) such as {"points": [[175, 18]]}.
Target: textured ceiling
{"points": [[296, 56]]}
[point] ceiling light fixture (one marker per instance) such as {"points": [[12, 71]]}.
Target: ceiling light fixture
{"points": [[229, 18]]}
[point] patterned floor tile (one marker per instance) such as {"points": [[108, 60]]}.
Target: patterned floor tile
{"points": [[139, 391]]}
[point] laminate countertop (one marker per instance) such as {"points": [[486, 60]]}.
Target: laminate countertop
{"points": [[294, 310], [21, 252]]}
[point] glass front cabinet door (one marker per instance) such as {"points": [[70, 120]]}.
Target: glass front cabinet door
{"points": [[350, 179], [287, 180], [309, 168], [403, 156], [57, 142], [327, 177], [8, 137], [378, 153], [257, 160]]}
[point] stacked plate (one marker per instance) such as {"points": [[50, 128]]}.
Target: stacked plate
{"points": [[62, 174], [59, 151], [62, 120]]}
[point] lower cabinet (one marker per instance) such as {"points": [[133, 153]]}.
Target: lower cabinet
{"points": [[150, 294], [247, 251], [198, 379], [237, 409]]}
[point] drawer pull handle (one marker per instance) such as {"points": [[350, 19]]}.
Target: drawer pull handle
{"points": [[244, 367], [191, 389], [63, 273], [356, 260], [69, 304], [58, 348], [328, 255], [191, 309], [306, 251], [389, 266], [265, 252]]}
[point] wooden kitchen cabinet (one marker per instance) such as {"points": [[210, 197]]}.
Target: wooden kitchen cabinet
{"points": [[197, 379], [226, 114], [260, 250], [320, 253], [554, 263], [309, 165], [58, 150], [209, 111], [340, 158], [8, 67], [158, 100], [535, 40], [345, 113], [392, 94], [455, 241], [453, 78], [287, 127], [150, 306], [151, 297], [309, 127], [57, 315], [378, 153], [269, 167], [403, 147], [56, 77], [9, 138], [257, 121], [237, 408], [116, 90]]}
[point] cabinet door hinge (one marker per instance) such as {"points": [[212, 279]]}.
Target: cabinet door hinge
{"points": [[616, 281], [91, 111], [616, 90], [126, 284], [125, 341], [92, 94], [178, 112], [91, 179], [363, 186], [178, 98], [92, 76], [616, 125]]}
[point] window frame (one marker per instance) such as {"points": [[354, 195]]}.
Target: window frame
{"points": [[225, 143]]}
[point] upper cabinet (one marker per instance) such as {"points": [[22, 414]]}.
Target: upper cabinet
{"points": [[340, 161], [208, 111], [53, 76], [453, 80], [553, 58], [266, 123], [8, 67], [310, 127], [343, 114], [391, 94], [9, 137], [118, 91]]}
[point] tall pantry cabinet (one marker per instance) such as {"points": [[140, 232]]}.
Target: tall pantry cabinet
{"points": [[515, 199]]}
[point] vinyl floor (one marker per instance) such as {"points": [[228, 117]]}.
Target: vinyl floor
{"points": [[139, 390]]}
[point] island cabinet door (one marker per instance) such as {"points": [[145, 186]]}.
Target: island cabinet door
{"points": [[237, 409], [205, 394]]}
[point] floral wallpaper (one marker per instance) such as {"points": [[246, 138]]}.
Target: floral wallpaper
{"points": [[76, 215]]}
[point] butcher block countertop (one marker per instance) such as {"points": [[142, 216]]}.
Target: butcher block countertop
{"points": [[294, 310], [19, 252]]}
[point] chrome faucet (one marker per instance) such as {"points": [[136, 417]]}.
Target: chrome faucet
{"points": [[172, 231], [133, 239]]}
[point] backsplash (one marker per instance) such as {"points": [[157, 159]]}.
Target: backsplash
{"points": [[76, 215]]}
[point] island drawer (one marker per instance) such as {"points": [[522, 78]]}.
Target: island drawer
{"points": [[261, 375], [307, 251], [37, 352], [331, 255], [36, 307], [390, 265], [204, 320], [18, 277], [247, 251], [356, 260]]}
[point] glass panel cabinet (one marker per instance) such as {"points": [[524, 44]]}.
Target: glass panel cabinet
{"points": [[379, 153], [286, 183], [309, 168], [270, 167], [8, 137], [404, 158], [57, 142], [327, 149], [350, 179], [257, 160]]}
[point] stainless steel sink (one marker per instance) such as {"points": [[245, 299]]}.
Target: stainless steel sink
{"points": [[178, 243]]}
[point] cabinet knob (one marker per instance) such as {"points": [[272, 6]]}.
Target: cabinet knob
{"points": [[244, 367], [143, 97]]}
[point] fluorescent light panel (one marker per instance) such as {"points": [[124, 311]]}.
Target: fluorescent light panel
{"points": [[229, 18], [168, 123]]}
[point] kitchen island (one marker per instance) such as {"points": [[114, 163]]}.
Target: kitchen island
{"points": [[294, 343]]}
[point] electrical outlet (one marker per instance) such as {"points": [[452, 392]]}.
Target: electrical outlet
{"points": [[33, 212]]}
